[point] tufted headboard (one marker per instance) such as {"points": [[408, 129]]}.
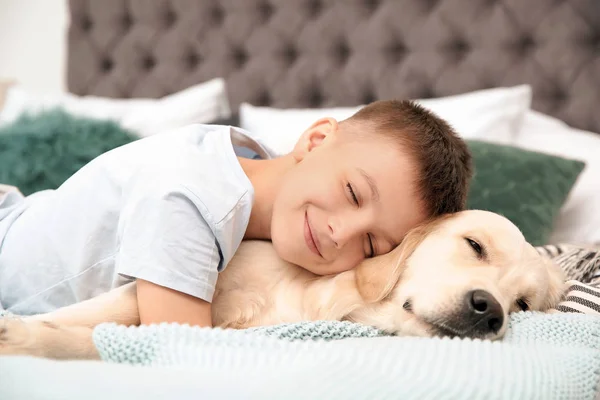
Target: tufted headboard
{"points": [[316, 53]]}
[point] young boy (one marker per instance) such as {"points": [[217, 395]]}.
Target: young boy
{"points": [[170, 211]]}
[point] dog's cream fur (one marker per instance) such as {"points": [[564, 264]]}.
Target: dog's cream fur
{"points": [[414, 290]]}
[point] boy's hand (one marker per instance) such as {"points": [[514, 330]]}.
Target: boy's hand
{"points": [[158, 304]]}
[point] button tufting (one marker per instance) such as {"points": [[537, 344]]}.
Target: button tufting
{"points": [[460, 46], [126, 21], [558, 95], [458, 49], [299, 49], [343, 52], [290, 54], [371, 5], [193, 60], [315, 98], [218, 15], [426, 93], [266, 10], [86, 23], [149, 62], [315, 7], [430, 4], [106, 65], [594, 41], [525, 44], [368, 97], [170, 18], [396, 51], [239, 57], [263, 99]]}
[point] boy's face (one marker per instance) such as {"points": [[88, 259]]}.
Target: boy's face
{"points": [[344, 200]]}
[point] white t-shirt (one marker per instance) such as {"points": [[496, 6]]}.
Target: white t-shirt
{"points": [[171, 209]]}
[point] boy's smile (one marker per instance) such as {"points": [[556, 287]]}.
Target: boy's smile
{"points": [[312, 240]]}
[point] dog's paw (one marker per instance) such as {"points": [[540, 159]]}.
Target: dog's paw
{"points": [[39, 338], [21, 337], [13, 334]]}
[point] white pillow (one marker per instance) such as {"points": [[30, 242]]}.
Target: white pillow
{"points": [[579, 219], [202, 103], [493, 115]]}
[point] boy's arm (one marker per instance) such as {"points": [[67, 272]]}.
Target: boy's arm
{"points": [[158, 304], [167, 246]]}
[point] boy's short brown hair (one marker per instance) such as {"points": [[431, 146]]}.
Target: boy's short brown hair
{"points": [[443, 158]]}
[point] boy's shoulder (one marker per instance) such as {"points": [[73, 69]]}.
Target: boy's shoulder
{"points": [[212, 136], [197, 161], [202, 160]]}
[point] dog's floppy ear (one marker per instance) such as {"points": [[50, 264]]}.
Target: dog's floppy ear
{"points": [[376, 277], [557, 285], [555, 278]]}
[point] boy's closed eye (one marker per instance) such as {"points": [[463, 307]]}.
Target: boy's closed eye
{"points": [[355, 200]]}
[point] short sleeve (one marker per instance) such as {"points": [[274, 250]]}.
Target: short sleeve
{"points": [[166, 238]]}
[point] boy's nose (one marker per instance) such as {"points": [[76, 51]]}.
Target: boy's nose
{"points": [[344, 230]]}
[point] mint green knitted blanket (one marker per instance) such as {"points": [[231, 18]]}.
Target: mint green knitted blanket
{"points": [[543, 356]]}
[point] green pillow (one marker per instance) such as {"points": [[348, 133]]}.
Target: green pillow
{"points": [[527, 187], [41, 151]]}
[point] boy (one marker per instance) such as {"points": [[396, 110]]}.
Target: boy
{"points": [[170, 211]]}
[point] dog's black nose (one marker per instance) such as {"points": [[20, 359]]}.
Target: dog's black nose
{"points": [[484, 312]]}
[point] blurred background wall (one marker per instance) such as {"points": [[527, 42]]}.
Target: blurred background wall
{"points": [[33, 33]]}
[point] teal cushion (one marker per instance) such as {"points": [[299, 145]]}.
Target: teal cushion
{"points": [[40, 151], [527, 187]]}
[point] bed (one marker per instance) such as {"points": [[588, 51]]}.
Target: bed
{"points": [[529, 72], [330, 53]]}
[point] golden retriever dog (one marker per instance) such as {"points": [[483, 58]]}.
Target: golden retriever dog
{"points": [[459, 275]]}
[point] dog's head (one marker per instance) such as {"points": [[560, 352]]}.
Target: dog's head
{"points": [[459, 275]]}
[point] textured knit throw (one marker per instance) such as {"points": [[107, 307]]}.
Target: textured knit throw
{"points": [[543, 356]]}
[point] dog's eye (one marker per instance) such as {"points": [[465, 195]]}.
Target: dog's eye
{"points": [[522, 303], [475, 246]]}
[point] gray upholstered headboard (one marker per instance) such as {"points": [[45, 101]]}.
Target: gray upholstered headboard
{"points": [[315, 53]]}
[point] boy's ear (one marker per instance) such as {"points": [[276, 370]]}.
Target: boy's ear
{"points": [[314, 136]]}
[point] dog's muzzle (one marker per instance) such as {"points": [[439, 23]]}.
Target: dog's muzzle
{"points": [[482, 313]]}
